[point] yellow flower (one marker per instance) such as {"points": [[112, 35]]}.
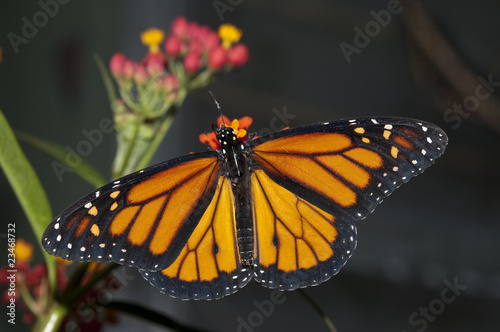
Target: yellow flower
{"points": [[229, 34], [24, 251], [152, 37], [240, 132]]}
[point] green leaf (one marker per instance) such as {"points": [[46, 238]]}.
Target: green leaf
{"points": [[84, 170], [27, 187]]}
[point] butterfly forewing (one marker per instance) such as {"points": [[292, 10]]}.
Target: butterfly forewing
{"points": [[143, 219], [348, 167]]}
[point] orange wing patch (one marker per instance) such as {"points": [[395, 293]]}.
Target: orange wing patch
{"points": [[328, 163], [315, 143]]}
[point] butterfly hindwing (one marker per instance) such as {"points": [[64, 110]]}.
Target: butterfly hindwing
{"points": [[209, 265], [143, 219], [296, 243]]}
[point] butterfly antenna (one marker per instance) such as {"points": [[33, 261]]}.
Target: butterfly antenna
{"points": [[217, 104]]}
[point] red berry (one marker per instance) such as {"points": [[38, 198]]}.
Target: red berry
{"points": [[217, 58], [237, 55]]}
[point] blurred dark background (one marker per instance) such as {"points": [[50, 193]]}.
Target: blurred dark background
{"points": [[441, 227]]}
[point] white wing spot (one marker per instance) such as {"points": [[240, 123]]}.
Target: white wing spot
{"points": [[424, 128], [429, 140], [424, 152], [58, 238], [102, 245], [124, 250], [88, 205], [388, 126], [414, 162], [395, 168], [97, 193], [82, 249], [69, 245], [374, 121], [56, 226]]}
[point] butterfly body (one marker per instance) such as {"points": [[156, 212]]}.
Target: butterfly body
{"points": [[279, 209]]}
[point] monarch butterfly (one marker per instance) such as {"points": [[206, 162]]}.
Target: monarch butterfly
{"points": [[278, 208]]}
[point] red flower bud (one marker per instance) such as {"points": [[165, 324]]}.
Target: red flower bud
{"points": [[155, 65], [192, 62], [116, 64], [237, 55], [170, 83], [217, 58], [195, 46], [140, 74], [179, 26], [173, 45], [211, 41], [128, 69], [193, 30]]}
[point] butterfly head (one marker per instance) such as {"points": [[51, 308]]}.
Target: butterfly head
{"points": [[227, 137]]}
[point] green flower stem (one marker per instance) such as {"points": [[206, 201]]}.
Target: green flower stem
{"points": [[119, 169], [28, 299], [320, 312], [158, 138], [53, 319], [77, 292]]}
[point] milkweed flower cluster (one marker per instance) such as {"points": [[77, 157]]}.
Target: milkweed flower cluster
{"points": [[150, 91]]}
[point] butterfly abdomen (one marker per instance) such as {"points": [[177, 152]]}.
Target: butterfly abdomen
{"points": [[244, 219]]}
